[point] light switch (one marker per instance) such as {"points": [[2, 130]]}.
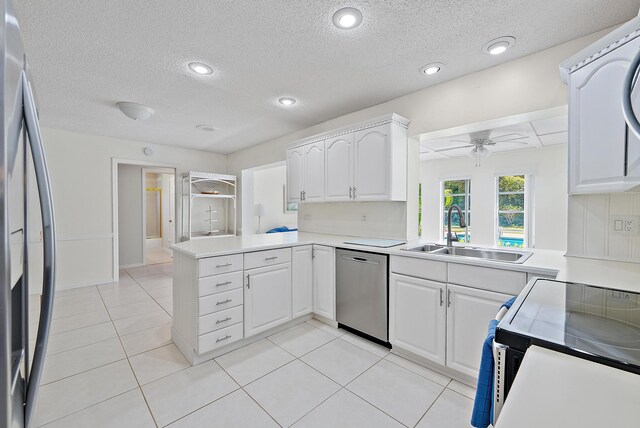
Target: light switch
{"points": [[617, 225]]}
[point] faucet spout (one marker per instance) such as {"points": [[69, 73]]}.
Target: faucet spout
{"points": [[460, 217]]}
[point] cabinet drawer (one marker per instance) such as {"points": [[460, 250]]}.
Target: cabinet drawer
{"points": [[210, 341], [219, 301], [500, 281], [420, 268], [267, 258], [217, 265], [219, 283], [218, 320]]}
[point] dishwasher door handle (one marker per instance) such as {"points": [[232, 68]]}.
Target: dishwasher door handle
{"points": [[360, 260]]}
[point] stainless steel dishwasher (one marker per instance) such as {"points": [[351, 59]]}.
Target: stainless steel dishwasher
{"points": [[361, 293]]}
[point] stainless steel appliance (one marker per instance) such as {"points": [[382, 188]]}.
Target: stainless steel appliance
{"points": [[22, 154], [594, 323], [362, 283]]}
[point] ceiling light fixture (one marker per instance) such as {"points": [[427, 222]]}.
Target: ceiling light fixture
{"points": [[287, 101], [499, 45], [135, 111], [431, 69], [200, 68], [347, 18], [206, 128]]}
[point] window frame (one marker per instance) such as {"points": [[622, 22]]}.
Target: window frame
{"points": [[528, 235], [467, 209]]}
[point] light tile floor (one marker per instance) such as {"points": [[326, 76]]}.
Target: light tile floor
{"points": [[111, 363]]}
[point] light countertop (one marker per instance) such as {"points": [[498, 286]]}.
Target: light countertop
{"points": [[610, 274], [557, 390]]}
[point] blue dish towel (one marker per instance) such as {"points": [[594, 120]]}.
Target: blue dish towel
{"points": [[482, 415], [280, 229]]}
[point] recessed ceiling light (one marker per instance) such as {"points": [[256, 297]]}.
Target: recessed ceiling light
{"points": [[499, 45], [431, 69], [206, 128], [200, 68], [347, 18], [287, 101]]}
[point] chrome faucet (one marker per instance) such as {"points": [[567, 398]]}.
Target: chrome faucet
{"points": [[462, 223]]}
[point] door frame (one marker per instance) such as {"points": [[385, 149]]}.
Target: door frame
{"points": [[115, 162]]}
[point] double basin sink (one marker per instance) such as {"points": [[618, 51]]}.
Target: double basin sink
{"points": [[473, 253]]}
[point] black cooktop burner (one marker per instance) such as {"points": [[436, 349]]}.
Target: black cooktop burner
{"points": [[599, 322]]}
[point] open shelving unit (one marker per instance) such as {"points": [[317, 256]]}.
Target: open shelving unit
{"points": [[208, 205]]}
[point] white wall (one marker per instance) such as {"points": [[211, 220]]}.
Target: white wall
{"points": [[590, 228], [549, 169], [524, 85], [130, 242], [81, 178], [268, 190]]}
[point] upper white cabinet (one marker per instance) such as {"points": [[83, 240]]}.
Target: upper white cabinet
{"points": [[604, 156], [339, 168], [295, 162], [363, 162]]}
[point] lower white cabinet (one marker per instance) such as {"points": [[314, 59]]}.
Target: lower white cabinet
{"points": [[469, 311], [417, 316], [267, 298], [324, 281], [302, 280]]}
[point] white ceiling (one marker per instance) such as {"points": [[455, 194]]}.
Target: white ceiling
{"points": [[86, 55]]}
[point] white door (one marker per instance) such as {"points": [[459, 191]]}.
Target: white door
{"points": [[417, 316], [324, 281], [267, 298], [172, 209], [372, 163], [339, 168], [295, 164], [468, 314], [302, 280], [313, 183]]}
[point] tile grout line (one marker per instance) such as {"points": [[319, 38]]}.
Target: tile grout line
{"points": [[430, 406]]}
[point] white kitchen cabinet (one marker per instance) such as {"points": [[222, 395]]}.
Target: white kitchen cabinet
{"points": [[604, 156], [302, 280], [469, 311], [313, 172], [417, 316], [339, 168], [324, 281], [267, 298], [295, 166]]}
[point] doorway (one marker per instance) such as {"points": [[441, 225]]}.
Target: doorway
{"points": [[144, 210]]}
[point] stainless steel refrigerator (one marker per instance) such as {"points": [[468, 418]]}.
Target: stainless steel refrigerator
{"points": [[21, 157]]}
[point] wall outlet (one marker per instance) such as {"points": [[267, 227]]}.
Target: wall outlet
{"points": [[363, 218], [625, 224], [307, 216]]}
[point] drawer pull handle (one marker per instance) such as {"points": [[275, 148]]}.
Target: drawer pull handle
{"points": [[271, 258], [224, 320], [223, 338], [220, 284], [224, 265], [223, 302]]}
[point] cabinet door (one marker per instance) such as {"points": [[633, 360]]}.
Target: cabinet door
{"points": [[372, 163], [302, 281], [313, 172], [468, 314], [339, 168], [267, 298], [417, 316], [599, 140], [324, 281], [295, 165]]}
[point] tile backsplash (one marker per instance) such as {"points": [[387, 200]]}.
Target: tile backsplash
{"points": [[590, 228], [381, 219]]}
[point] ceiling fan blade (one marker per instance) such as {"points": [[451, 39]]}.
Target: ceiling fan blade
{"points": [[452, 148], [509, 137], [514, 142]]}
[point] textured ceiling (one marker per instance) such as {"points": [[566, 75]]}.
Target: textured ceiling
{"points": [[86, 55]]}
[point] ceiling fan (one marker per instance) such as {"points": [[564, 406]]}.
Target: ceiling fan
{"points": [[478, 141]]}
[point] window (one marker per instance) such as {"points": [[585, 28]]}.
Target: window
{"points": [[457, 192], [512, 215]]}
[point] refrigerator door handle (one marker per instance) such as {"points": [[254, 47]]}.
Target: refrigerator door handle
{"points": [[49, 246]]}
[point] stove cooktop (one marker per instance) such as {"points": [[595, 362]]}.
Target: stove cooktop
{"points": [[600, 323]]}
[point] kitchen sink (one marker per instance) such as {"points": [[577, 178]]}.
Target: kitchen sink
{"points": [[475, 253]]}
